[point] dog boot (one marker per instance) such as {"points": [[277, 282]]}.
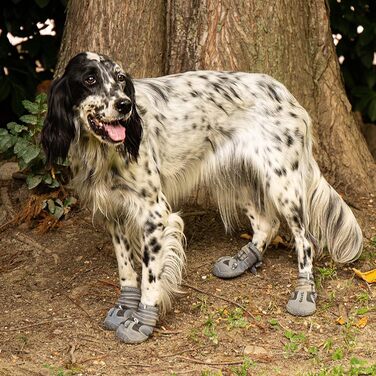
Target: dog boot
{"points": [[140, 326], [249, 257], [125, 306], [303, 299]]}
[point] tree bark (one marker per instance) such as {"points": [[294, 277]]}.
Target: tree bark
{"points": [[131, 32], [291, 41]]}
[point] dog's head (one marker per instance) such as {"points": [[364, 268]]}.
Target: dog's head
{"points": [[94, 96]]}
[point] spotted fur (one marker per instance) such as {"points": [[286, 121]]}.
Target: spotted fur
{"points": [[243, 135]]}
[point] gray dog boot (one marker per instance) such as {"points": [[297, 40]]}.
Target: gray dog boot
{"points": [[140, 326], [303, 299], [125, 306], [249, 257]]}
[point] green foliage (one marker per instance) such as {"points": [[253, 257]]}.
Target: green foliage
{"points": [[58, 208], [243, 369], [358, 51], [235, 319], [210, 330], [32, 60], [357, 367], [22, 141], [294, 341]]}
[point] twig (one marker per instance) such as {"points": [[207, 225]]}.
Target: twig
{"points": [[182, 352], [108, 283], [35, 324], [222, 298], [93, 358], [165, 331], [72, 349], [83, 310], [29, 241], [193, 360], [137, 365]]}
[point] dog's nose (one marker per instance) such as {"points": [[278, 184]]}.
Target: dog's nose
{"points": [[123, 106]]}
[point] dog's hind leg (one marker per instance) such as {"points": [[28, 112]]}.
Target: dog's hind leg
{"points": [[265, 226], [163, 258], [130, 293], [288, 194]]}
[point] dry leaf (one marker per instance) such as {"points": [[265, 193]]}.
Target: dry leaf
{"points": [[246, 236], [341, 321], [361, 323], [278, 241], [369, 276]]}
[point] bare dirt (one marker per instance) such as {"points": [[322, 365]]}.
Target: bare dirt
{"points": [[56, 289]]}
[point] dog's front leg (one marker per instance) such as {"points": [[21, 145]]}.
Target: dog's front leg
{"points": [[130, 293], [163, 259]]}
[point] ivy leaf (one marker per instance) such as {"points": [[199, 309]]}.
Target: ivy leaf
{"points": [[54, 184], [6, 140], [33, 108], [33, 181], [26, 151], [70, 201], [51, 206], [59, 212], [29, 119], [16, 128]]}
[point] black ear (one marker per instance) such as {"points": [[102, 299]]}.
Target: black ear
{"points": [[133, 124], [58, 130]]}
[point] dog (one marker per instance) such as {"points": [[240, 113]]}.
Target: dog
{"points": [[138, 146]]}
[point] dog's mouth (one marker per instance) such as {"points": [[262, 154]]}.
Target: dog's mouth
{"points": [[113, 131]]}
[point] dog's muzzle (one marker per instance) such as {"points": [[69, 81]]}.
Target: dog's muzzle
{"points": [[113, 131]]}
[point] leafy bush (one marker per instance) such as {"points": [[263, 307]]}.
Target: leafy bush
{"points": [[22, 141], [357, 48]]}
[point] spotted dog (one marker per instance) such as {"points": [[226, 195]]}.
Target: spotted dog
{"points": [[137, 146]]}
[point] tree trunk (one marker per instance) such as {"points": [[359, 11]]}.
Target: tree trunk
{"points": [[131, 32], [291, 41]]}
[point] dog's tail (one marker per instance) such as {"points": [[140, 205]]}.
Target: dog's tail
{"points": [[330, 221]]}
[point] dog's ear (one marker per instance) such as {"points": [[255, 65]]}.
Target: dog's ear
{"points": [[58, 130], [134, 123]]}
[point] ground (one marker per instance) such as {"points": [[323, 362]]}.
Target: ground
{"points": [[57, 287]]}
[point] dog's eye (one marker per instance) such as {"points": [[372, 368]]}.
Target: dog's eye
{"points": [[90, 80], [121, 77]]}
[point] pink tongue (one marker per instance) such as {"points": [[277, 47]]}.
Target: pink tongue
{"points": [[116, 133]]}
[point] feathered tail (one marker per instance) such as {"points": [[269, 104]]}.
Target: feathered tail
{"points": [[330, 220]]}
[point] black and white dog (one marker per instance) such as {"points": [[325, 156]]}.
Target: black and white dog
{"points": [[138, 145]]}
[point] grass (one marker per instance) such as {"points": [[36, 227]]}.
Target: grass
{"points": [[210, 330], [243, 369], [357, 367], [295, 341]]}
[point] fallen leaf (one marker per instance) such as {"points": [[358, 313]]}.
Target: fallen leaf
{"points": [[278, 241], [361, 323], [341, 321], [369, 276], [246, 236]]}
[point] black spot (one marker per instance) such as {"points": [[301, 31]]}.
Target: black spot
{"points": [[153, 241], [309, 252], [146, 257], [295, 165], [152, 277], [123, 279], [292, 114], [159, 91], [150, 227], [280, 171], [301, 265], [117, 239], [143, 192], [156, 248]]}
